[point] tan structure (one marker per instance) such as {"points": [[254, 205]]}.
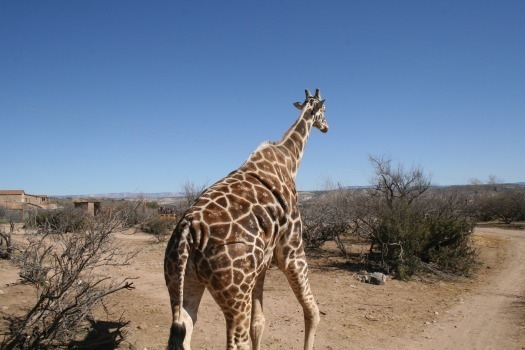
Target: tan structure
{"points": [[91, 207], [17, 199], [228, 239]]}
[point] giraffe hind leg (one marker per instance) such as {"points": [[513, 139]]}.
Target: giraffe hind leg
{"points": [[258, 320], [295, 268], [236, 305]]}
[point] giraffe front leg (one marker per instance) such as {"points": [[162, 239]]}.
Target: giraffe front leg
{"points": [[292, 261]]}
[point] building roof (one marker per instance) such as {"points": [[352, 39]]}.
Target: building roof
{"points": [[7, 192], [12, 192]]}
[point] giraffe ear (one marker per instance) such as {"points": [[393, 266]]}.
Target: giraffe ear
{"points": [[298, 105]]}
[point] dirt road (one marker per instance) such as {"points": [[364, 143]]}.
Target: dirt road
{"points": [[492, 318]]}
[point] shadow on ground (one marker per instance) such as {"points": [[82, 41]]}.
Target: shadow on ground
{"points": [[104, 335], [334, 260]]}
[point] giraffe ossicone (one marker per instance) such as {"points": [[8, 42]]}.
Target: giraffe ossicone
{"points": [[227, 240]]}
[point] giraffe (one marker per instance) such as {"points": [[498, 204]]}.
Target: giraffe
{"points": [[226, 241]]}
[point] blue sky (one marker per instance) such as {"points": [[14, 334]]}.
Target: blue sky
{"points": [[141, 96]]}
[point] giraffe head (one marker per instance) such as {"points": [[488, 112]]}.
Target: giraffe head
{"points": [[314, 106]]}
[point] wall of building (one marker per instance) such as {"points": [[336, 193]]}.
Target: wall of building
{"points": [[16, 199], [36, 200]]}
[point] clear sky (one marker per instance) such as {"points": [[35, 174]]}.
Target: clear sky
{"points": [[141, 96]]}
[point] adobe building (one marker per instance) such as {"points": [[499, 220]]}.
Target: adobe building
{"points": [[91, 207], [17, 199]]}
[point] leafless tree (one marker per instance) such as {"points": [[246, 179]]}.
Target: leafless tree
{"points": [[395, 184], [191, 192], [393, 188], [493, 182]]}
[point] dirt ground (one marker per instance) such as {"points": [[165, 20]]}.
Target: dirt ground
{"points": [[485, 312]]}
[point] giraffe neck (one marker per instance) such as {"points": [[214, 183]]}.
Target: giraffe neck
{"points": [[293, 142]]}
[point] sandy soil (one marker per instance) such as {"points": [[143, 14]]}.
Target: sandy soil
{"points": [[486, 312]]}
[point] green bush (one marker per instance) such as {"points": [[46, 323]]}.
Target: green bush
{"points": [[61, 220], [8, 215], [448, 244], [506, 206], [399, 240], [408, 238], [158, 227]]}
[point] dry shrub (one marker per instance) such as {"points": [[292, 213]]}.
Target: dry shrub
{"points": [[69, 272], [327, 218], [159, 227]]}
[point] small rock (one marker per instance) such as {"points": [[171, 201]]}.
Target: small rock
{"points": [[1, 292], [377, 278]]}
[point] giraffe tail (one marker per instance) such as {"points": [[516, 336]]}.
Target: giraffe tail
{"points": [[177, 335], [178, 328]]}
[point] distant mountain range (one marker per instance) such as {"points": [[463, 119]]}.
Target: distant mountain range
{"points": [[121, 195]]}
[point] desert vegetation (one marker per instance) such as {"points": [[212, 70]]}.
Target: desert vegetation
{"points": [[65, 258], [408, 224], [402, 223]]}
